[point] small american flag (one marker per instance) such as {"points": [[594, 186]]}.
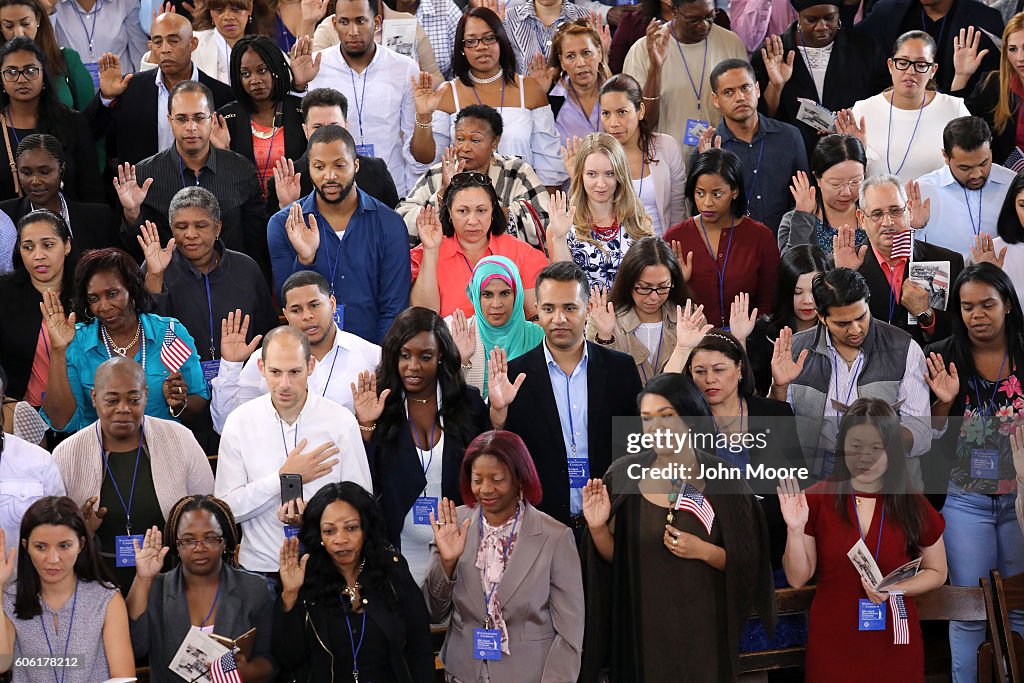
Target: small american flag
{"points": [[692, 500], [174, 352], [903, 244], [900, 623], [1015, 162], [225, 670]]}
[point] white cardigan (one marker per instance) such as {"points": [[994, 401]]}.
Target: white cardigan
{"points": [[669, 176]]}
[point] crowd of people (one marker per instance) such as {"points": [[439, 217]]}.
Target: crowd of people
{"points": [[261, 261]]}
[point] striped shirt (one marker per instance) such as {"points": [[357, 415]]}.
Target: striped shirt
{"points": [[439, 18], [528, 33]]}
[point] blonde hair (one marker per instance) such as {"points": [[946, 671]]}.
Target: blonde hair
{"points": [[1002, 113], [580, 27], [628, 209]]}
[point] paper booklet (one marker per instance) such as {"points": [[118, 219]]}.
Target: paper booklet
{"points": [[868, 569], [192, 660], [400, 36], [815, 115], [933, 276]]}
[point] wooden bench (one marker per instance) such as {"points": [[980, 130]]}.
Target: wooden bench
{"points": [[1008, 594]]}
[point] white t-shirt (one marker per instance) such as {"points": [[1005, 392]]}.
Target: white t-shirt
{"points": [[416, 538], [1013, 262], [649, 335], [923, 148], [644, 188]]}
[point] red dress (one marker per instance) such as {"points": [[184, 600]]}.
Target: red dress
{"points": [[836, 649]]}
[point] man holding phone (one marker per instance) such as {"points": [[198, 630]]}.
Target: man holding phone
{"points": [[288, 441]]}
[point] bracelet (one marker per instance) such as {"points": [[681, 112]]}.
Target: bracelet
{"points": [[184, 404], [652, 99], [368, 429], [428, 124], [604, 342]]}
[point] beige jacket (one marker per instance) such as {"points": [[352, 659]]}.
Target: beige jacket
{"points": [[626, 342], [179, 464]]}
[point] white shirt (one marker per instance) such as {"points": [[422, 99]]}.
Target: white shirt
{"points": [[378, 98], [255, 445], [331, 377], [924, 145], [1013, 262], [113, 26], [164, 134], [954, 209], [416, 538], [27, 473]]}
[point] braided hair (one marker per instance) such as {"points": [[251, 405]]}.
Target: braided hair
{"points": [[220, 511]]}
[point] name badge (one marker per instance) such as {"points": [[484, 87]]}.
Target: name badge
{"points": [[339, 316], [291, 531], [124, 549], [984, 463], [694, 129], [487, 644], [365, 150], [422, 508], [870, 617], [210, 370], [579, 472], [94, 72]]}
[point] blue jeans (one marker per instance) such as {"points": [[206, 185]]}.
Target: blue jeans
{"points": [[982, 533]]}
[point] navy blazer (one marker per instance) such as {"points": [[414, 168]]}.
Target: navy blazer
{"points": [[612, 389]]}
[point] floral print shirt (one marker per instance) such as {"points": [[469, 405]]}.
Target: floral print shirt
{"points": [[990, 414], [600, 262]]}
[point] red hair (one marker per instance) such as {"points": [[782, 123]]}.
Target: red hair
{"points": [[510, 451]]}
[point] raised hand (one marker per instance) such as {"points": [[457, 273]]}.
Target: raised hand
{"points": [[424, 96], [777, 63], [966, 58], [366, 403], [920, 211], [293, 569], [803, 193], [220, 136], [129, 192], [8, 559], [542, 73], [287, 182], [428, 227], [708, 140], [464, 335], [157, 259], [304, 237], [233, 330], [310, 465], [1016, 447], [312, 11], [603, 30], [597, 506], [793, 502], [601, 313], [845, 251], [149, 558], [691, 326], [741, 318], [984, 251], [112, 82], [685, 262], [560, 218], [848, 125], [657, 42], [305, 66], [493, 5], [569, 153], [449, 535], [61, 330], [500, 391], [451, 166], [784, 368], [93, 517], [945, 384]]}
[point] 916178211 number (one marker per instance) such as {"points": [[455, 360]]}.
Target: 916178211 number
{"points": [[46, 662]]}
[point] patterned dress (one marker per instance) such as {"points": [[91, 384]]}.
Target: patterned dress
{"points": [[600, 261]]}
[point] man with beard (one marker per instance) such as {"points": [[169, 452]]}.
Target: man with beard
{"points": [[770, 151], [357, 243], [963, 198]]}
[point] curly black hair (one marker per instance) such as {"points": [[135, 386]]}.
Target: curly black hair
{"points": [[272, 56], [121, 264], [220, 511]]}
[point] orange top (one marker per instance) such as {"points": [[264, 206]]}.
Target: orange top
{"points": [[266, 152]]}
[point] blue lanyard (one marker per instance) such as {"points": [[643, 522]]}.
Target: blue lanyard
{"points": [[332, 266], [504, 558], [881, 525], [359, 100], [590, 122], [419, 446], [995, 389], [967, 201], [17, 138], [331, 373], [643, 167], [568, 409], [853, 376], [686, 66], [910, 143], [67, 640], [657, 356], [501, 105], [209, 304], [181, 173], [209, 614], [725, 264], [96, 12], [942, 26], [295, 441], [135, 474], [352, 643], [807, 60], [273, 134]]}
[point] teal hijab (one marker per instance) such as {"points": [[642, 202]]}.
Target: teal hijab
{"points": [[518, 335]]}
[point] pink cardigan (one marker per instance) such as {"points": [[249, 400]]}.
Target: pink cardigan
{"points": [[179, 464]]}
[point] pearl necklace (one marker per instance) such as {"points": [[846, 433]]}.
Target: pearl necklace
{"points": [[122, 351], [485, 81]]}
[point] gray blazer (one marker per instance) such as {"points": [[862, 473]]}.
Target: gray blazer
{"points": [[244, 602], [541, 598]]}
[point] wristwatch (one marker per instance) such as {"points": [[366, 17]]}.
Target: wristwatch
{"points": [[925, 318]]}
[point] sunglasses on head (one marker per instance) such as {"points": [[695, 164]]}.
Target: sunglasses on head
{"points": [[470, 178]]}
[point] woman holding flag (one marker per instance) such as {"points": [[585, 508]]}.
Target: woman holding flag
{"points": [[110, 295]]}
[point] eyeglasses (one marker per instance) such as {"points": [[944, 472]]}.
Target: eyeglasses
{"points": [[894, 213], [903, 64], [851, 185], [194, 543], [470, 178], [647, 291], [198, 119], [489, 39], [13, 73], [699, 21]]}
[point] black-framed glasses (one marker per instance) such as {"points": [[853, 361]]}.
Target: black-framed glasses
{"points": [[205, 541], [489, 39], [13, 73], [894, 212], [470, 178], [902, 64], [647, 291], [184, 119], [696, 22]]}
